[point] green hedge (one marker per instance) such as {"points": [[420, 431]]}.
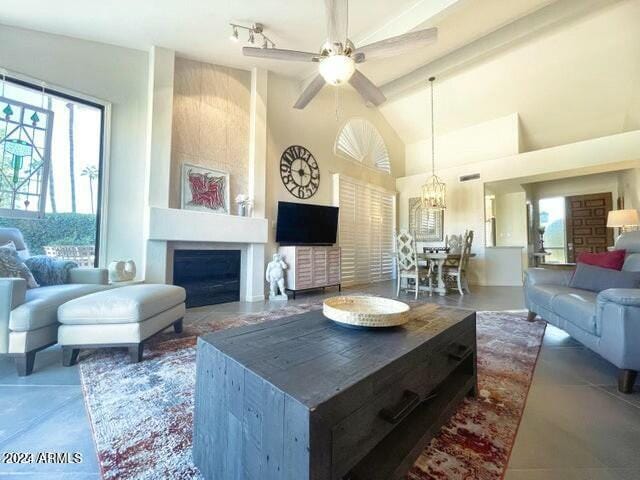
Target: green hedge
{"points": [[55, 229]]}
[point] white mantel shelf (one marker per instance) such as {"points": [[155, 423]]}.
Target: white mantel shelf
{"points": [[176, 225]]}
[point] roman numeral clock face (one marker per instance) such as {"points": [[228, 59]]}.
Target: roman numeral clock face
{"points": [[299, 172]]}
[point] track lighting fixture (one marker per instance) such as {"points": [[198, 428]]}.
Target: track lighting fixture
{"points": [[253, 30], [234, 34]]}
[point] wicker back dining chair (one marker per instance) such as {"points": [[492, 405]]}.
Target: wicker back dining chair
{"points": [[459, 272]]}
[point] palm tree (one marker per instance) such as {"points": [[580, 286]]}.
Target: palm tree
{"points": [[72, 177], [52, 191], [91, 172]]}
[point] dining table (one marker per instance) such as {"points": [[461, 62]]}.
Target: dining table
{"points": [[439, 259]]}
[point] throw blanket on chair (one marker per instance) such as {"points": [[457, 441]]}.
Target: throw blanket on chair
{"points": [[50, 271]]}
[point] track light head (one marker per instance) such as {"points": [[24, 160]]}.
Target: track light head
{"points": [[234, 35]]}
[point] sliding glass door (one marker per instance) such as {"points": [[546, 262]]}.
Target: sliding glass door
{"points": [[51, 163]]}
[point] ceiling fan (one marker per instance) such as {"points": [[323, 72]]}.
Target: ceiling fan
{"points": [[338, 56]]}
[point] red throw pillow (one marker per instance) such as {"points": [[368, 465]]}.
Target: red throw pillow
{"points": [[613, 259]]}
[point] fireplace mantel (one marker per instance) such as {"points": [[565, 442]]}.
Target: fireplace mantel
{"points": [[176, 225], [172, 228]]}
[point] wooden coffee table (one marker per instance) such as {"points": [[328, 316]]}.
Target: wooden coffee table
{"points": [[305, 398]]}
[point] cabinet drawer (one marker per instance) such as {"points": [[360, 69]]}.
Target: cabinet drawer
{"points": [[304, 268], [445, 359], [359, 432]]}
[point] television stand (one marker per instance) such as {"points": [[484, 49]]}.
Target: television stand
{"points": [[311, 289], [311, 267]]}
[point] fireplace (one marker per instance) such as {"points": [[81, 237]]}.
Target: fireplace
{"points": [[208, 276]]}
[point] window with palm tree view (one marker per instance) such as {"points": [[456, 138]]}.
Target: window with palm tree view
{"points": [[50, 156]]}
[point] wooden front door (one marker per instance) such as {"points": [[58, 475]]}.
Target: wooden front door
{"points": [[587, 230]]}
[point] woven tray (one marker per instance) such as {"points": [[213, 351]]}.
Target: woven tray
{"points": [[369, 312]]}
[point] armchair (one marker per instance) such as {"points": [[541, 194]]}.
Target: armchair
{"points": [[28, 317]]}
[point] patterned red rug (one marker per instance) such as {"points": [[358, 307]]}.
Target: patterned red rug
{"points": [[141, 414]]}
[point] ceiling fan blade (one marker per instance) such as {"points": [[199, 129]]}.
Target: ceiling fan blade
{"points": [[337, 20], [367, 89], [397, 45], [311, 91], [280, 54]]}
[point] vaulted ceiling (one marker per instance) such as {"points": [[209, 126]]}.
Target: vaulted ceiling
{"points": [[200, 29], [574, 78], [569, 81]]}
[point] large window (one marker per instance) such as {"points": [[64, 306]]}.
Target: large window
{"points": [[367, 219], [552, 219], [50, 169]]}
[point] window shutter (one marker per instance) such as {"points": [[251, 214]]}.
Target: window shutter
{"points": [[367, 219]]}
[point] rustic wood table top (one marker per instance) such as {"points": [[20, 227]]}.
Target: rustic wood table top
{"points": [[311, 358]]}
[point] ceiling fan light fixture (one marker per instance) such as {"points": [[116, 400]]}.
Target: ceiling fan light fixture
{"points": [[337, 69]]}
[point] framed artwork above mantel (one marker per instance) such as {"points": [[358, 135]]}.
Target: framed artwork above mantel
{"points": [[425, 225], [205, 189]]}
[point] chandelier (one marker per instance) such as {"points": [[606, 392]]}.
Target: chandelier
{"points": [[434, 191]]}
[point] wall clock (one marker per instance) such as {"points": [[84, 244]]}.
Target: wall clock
{"points": [[299, 172]]}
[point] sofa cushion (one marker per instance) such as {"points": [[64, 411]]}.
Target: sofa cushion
{"points": [[577, 307], [129, 304], [613, 259], [41, 306], [632, 263], [544, 294], [12, 266], [596, 279]]}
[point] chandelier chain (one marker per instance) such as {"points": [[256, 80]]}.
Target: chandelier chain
{"points": [[433, 138]]}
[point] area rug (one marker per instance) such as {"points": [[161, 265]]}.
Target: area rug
{"points": [[141, 414]]}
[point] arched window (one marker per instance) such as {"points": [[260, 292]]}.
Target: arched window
{"points": [[359, 140]]}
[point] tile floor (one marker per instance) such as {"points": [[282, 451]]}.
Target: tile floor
{"points": [[575, 426]]}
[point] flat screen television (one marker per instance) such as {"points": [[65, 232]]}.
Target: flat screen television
{"points": [[304, 224]]}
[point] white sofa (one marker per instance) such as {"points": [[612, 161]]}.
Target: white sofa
{"points": [[28, 317]]}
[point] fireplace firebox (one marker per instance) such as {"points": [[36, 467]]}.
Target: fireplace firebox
{"points": [[208, 276]]}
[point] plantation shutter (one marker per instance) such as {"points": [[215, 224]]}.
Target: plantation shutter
{"points": [[366, 229]]}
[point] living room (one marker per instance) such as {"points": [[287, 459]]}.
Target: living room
{"points": [[182, 181]]}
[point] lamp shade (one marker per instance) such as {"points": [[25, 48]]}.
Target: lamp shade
{"points": [[622, 218]]}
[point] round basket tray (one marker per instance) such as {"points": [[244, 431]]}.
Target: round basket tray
{"points": [[366, 312]]}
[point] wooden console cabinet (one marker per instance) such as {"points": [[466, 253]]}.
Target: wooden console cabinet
{"points": [[311, 267]]}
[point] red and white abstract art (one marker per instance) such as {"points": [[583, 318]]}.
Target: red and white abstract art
{"points": [[205, 189]]}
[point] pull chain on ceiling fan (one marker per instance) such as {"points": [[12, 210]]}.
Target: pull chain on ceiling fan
{"points": [[338, 57]]}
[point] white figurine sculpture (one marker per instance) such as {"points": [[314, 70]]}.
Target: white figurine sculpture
{"points": [[275, 277]]}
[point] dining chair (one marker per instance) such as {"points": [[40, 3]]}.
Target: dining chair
{"points": [[453, 243], [459, 272], [407, 262]]}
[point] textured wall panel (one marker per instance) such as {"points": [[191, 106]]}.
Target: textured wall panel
{"points": [[210, 123]]}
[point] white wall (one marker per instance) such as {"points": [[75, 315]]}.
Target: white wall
{"points": [[316, 128], [578, 185], [511, 220], [492, 139], [629, 188], [112, 74]]}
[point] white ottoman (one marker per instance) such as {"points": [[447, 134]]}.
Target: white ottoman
{"points": [[121, 317]]}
